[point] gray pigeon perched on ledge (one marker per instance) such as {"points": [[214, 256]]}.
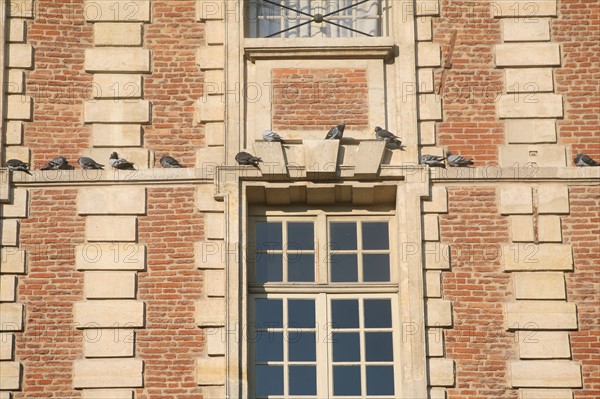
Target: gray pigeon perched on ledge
{"points": [[270, 137], [388, 137], [89, 163], [17, 165], [457, 160], [120, 163], [433, 161], [336, 133], [59, 163], [584, 160], [169, 162], [244, 158]]}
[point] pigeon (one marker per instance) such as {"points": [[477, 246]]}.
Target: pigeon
{"points": [[433, 161], [58, 163], [89, 163], [169, 162], [336, 133], [585, 160], [17, 165], [384, 135], [270, 136], [244, 158], [457, 160], [120, 163]]}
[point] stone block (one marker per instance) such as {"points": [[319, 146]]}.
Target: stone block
{"points": [[544, 344], [424, 31], [205, 199], [429, 54], [141, 157], [427, 133], [117, 10], [549, 228], [109, 314], [530, 105], [437, 256], [435, 342], [431, 228], [427, 7], [117, 34], [111, 228], [15, 83], [437, 393], [425, 79], [527, 54], [10, 232], [531, 131], [210, 254], [215, 341], [528, 80], [19, 107], [8, 287], [117, 59], [210, 57], [20, 55], [430, 107], [516, 199], [214, 226], [321, 157], [107, 393], [368, 158], [108, 343], [14, 133], [433, 284], [110, 256], [215, 133], [22, 153], [19, 206], [530, 155], [208, 159], [215, 391], [109, 85], [16, 30], [521, 228], [210, 312], [210, 371], [11, 317], [272, 157], [438, 202], [545, 394], [117, 111], [122, 200], [553, 199], [108, 373], [541, 315], [210, 109], [528, 9], [10, 376], [526, 29], [207, 10], [324, 195], [439, 313], [215, 32], [21, 8], [7, 344], [110, 285], [539, 285], [529, 257], [116, 135], [545, 373], [441, 372], [12, 261], [214, 283]]}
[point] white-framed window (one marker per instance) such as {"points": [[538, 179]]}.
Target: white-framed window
{"points": [[322, 306], [314, 18]]}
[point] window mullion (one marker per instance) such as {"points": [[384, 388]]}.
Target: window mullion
{"points": [[322, 249], [323, 347]]}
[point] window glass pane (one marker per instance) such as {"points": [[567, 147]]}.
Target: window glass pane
{"points": [[379, 347], [376, 267], [346, 380], [269, 268], [301, 313], [378, 313], [346, 347], [301, 268], [269, 313], [343, 235], [302, 347], [344, 268], [303, 380], [300, 236], [344, 313], [268, 236], [380, 380], [375, 235], [269, 380], [269, 346]]}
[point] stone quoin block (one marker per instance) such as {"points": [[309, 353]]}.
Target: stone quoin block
{"points": [[210, 57], [433, 284], [19, 107], [8, 286], [21, 8], [207, 10], [16, 30], [205, 199], [107, 393], [10, 376], [215, 32], [437, 393], [19, 206], [215, 133], [531, 131], [539, 285], [214, 284], [209, 159], [109, 85], [117, 111], [427, 7], [110, 256], [539, 315], [430, 107], [12, 260], [438, 202], [544, 344], [424, 30], [516, 199], [439, 313], [109, 314], [530, 105], [210, 371], [117, 10], [11, 317], [111, 228], [553, 199], [431, 227], [20, 56], [210, 312], [210, 254], [437, 256], [429, 54], [215, 341], [110, 284], [521, 228], [22, 153], [549, 228], [15, 83], [435, 342], [7, 344], [117, 59], [108, 343], [526, 30], [10, 232], [530, 257], [529, 80], [427, 130], [117, 34], [545, 373], [108, 373], [425, 79], [214, 225], [14, 132], [116, 135], [441, 372], [210, 109], [124, 200]]}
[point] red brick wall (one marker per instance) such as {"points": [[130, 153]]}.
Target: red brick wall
{"points": [[320, 98], [50, 342], [478, 289], [171, 341], [581, 229]]}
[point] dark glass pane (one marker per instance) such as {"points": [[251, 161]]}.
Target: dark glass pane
{"points": [[301, 313], [344, 313], [376, 267], [346, 347], [303, 380], [300, 236], [378, 313], [344, 268], [346, 380], [269, 380], [343, 235], [269, 268], [269, 313], [301, 268], [379, 347], [269, 346], [375, 235], [302, 347], [268, 236], [380, 380]]}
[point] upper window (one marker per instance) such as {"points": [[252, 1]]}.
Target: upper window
{"points": [[314, 18]]}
